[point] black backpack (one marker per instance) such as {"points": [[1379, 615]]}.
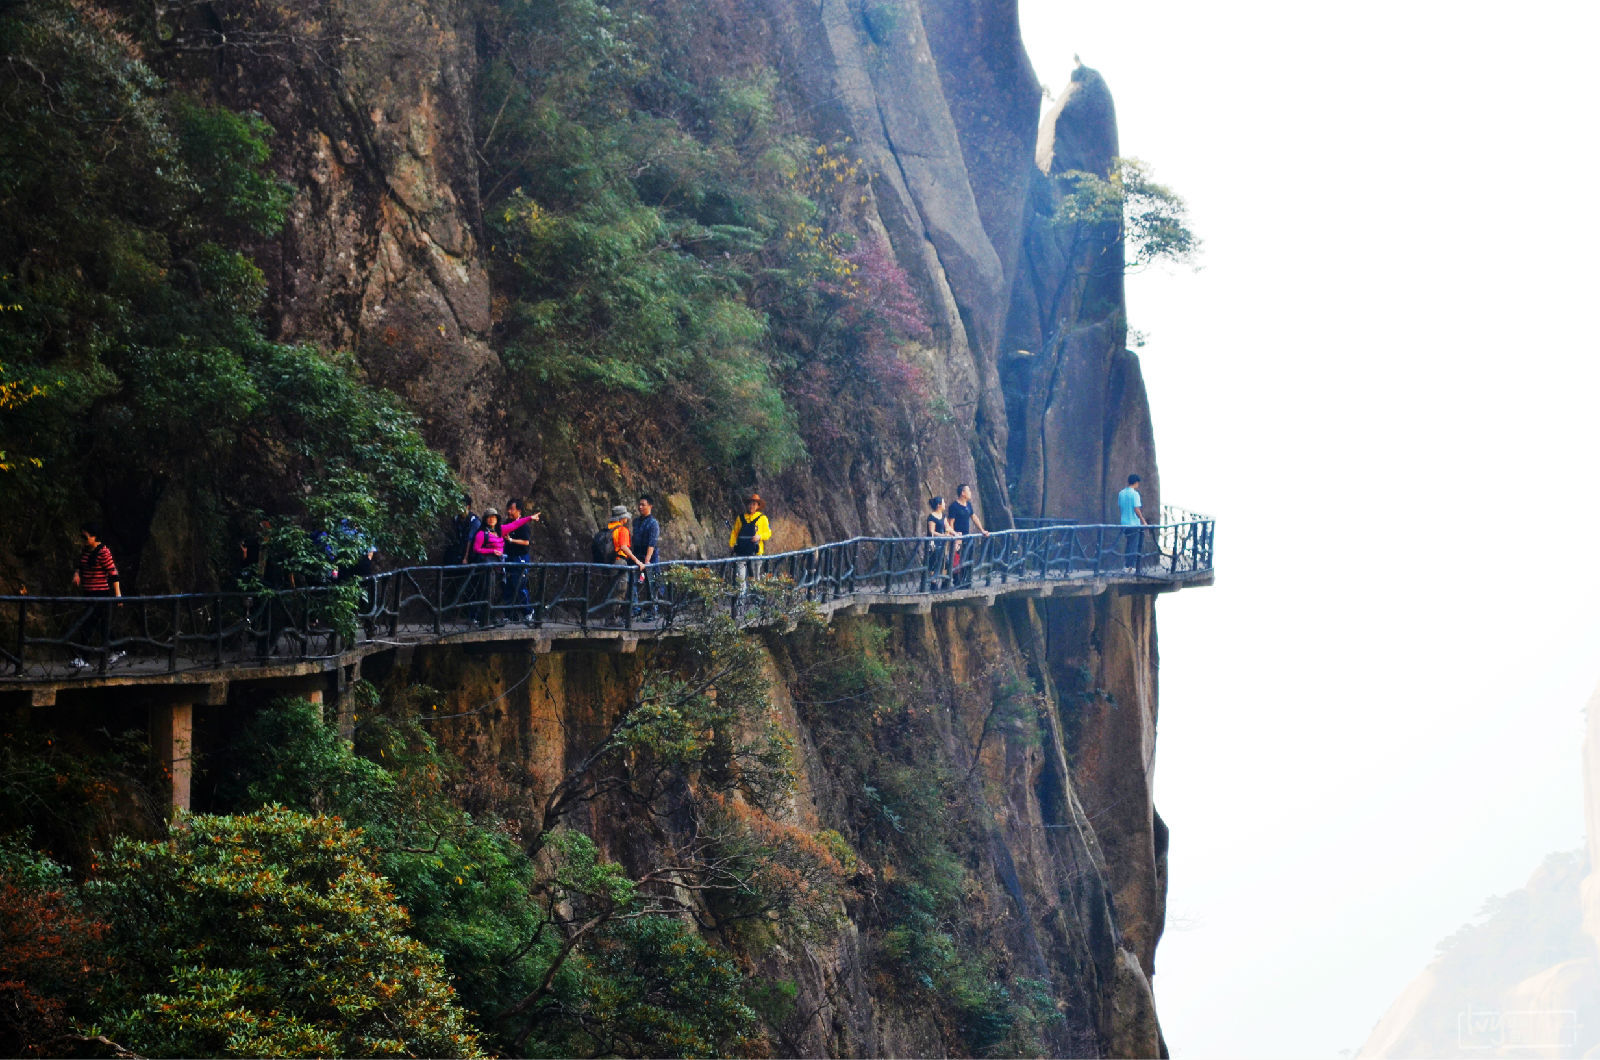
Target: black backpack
{"points": [[746, 544], [465, 530], [603, 548]]}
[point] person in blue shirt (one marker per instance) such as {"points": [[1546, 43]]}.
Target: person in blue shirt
{"points": [[646, 546], [1131, 508]]}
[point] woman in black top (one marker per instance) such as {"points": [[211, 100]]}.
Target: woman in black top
{"points": [[936, 527]]}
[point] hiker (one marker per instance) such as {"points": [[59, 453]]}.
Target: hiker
{"points": [[366, 573], [253, 555], [646, 541], [95, 574], [612, 546], [464, 527], [488, 546], [936, 526], [518, 530], [749, 537], [1131, 511], [962, 520]]}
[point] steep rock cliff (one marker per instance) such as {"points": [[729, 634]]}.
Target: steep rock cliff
{"points": [[1041, 902], [383, 254]]}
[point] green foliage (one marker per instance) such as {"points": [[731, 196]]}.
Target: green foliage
{"points": [[268, 934], [1149, 218], [537, 948], [707, 717], [620, 977], [629, 202], [991, 1017], [657, 989], [918, 822], [132, 311], [465, 883]]}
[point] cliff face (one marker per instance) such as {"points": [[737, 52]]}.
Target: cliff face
{"points": [[1045, 900], [384, 254]]}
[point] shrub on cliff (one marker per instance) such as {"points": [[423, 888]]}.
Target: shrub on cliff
{"points": [[626, 205], [268, 934], [464, 881], [47, 944], [566, 955]]}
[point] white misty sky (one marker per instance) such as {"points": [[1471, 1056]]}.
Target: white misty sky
{"points": [[1384, 384]]}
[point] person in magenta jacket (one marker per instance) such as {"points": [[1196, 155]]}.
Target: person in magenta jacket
{"points": [[488, 546]]}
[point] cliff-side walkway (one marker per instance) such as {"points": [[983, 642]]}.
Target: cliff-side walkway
{"points": [[51, 644]]}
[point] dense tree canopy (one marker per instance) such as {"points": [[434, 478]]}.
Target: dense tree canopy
{"points": [[131, 312]]}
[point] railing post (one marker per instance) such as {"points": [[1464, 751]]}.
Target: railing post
{"points": [[538, 608], [105, 638], [630, 597], [438, 601], [395, 578], [217, 610], [172, 648], [583, 612], [22, 632]]}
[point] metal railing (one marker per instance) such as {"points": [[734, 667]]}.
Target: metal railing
{"points": [[50, 638]]}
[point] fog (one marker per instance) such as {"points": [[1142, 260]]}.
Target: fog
{"points": [[1383, 383]]}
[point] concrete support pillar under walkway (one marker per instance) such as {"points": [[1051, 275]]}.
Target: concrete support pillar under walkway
{"points": [[172, 740]]}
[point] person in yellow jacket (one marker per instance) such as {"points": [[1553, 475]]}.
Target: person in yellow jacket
{"points": [[751, 531], [749, 537]]}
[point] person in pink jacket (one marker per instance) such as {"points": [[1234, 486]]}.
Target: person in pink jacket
{"points": [[488, 546]]}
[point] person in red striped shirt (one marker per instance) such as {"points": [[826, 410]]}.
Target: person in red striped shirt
{"points": [[96, 575]]}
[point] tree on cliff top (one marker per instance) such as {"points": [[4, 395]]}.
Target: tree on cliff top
{"points": [[1149, 219]]}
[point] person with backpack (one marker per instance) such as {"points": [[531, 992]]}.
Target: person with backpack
{"points": [[458, 551], [464, 527], [751, 531], [749, 537], [612, 546], [95, 574]]}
